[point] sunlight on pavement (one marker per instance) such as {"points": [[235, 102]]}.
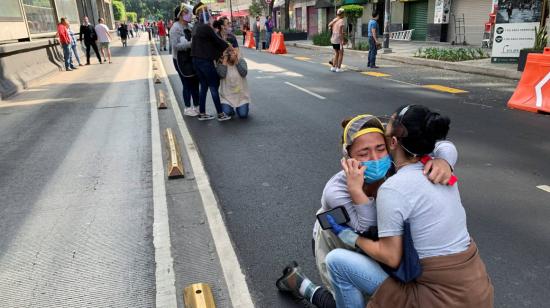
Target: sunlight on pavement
{"points": [[270, 68]]}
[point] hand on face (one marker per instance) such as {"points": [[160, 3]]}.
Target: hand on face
{"points": [[355, 173]]}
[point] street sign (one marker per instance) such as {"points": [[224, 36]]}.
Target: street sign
{"points": [[268, 2]]}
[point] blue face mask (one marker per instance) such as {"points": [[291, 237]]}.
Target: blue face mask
{"points": [[376, 169]]}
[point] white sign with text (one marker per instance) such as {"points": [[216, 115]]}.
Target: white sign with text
{"points": [[509, 39]]}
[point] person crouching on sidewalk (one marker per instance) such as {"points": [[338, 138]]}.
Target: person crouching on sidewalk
{"points": [[234, 92]]}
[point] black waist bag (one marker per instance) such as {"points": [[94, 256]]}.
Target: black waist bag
{"points": [[410, 268]]}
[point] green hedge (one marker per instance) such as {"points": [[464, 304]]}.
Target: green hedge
{"points": [[322, 39], [119, 11], [364, 45], [131, 16], [451, 54]]}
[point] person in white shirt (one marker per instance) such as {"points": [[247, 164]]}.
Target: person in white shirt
{"points": [[104, 39]]}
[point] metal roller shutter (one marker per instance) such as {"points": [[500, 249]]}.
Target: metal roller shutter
{"points": [[418, 19], [476, 14]]}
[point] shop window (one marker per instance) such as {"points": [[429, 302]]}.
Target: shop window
{"points": [[67, 8], [11, 11], [40, 16]]}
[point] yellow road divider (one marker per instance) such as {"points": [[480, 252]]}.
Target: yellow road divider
{"points": [[198, 295], [157, 78], [154, 59], [302, 58], [175, 166], [444, 89], [155, 67], [376, 74], [162, 100]]}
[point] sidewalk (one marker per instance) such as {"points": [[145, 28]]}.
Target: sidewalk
{"points": [[404, 52]]}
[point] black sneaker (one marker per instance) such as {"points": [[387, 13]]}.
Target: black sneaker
{"points": [[288, 282], [205, 117], [223, 117]]}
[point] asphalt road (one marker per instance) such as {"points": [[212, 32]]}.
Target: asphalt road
{"points": [[269, 170]]}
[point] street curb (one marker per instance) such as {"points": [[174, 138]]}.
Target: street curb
{"points": [[453, 66]]}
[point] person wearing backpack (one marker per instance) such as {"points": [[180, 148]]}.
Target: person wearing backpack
{"points": [[180, 41]]}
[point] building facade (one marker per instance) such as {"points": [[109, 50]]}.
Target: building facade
{"points": [[25, 20]]}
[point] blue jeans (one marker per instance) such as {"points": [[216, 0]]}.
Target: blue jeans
{"points": [[372, 52], [242, 111], [75, 53], [268, 38], [67, 55], [208, 79], [352, 276], [190, 87]]}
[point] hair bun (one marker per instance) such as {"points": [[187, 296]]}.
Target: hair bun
{"points": [[437, 126]]}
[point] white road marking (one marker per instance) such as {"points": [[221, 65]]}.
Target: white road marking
{"points": [[234, 277], [546, 188], [538, 89], [164, 272], [305, 90]]}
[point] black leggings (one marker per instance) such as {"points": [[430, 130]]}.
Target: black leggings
{"points": [[322, 298]]}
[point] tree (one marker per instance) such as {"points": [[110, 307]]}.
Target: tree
{"points": [[256, 8], [131, 16], [119, 11], [353, 12]]}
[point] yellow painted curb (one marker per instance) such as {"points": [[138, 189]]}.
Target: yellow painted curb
{"points": [[162, 100], [198, 295], [444, 89], [175, 166], [376, 74]]}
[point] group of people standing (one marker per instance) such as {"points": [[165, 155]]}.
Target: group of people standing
{"points": [[406, 242], [257, 28], [338, 39], [206, 56], [90, 35]]}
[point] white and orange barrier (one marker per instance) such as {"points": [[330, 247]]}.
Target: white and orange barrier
{"points": [[533, 91]]}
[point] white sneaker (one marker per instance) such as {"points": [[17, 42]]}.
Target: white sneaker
{"points": [[333, 69], [338, 70], [191, 112]]}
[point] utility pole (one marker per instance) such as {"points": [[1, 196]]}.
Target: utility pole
{"points": [[231, 12], [387, 23]]}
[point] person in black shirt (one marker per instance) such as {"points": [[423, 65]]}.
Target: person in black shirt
{"points": [[87, 30], [207, 47]]}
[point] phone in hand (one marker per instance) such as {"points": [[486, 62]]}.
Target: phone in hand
{"points": [[339, 214]]}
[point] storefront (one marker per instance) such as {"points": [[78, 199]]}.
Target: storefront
{"points": [[475, 13], [418, 19]]}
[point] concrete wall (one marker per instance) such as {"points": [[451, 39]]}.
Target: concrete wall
{"points": [[22, 64], [13, 30]]}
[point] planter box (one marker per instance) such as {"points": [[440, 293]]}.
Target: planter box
{"points": [[295, 36], [522, 60]]}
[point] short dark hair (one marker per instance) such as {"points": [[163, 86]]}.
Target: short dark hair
{"points": [[423, 126], [374, 14], [218, 24]]}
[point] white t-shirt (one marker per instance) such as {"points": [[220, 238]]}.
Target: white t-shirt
{"points": [[435, 212], [102, 33]]}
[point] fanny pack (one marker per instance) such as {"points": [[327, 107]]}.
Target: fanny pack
{"points": [[410, 268]]}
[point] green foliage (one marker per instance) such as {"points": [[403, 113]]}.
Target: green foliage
{"points": [[288, 30], [353, 11], [256, 8], [451, 54], [238, 32], [141, 20], [364, 45], [322, 39], [131, 16], [541, 38], [119, 11]]}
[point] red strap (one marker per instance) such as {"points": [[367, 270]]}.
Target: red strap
{"points": [[426, 158]]}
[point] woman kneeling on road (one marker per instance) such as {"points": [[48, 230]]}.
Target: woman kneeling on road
{"points": [[418, 222], [365, 166]]}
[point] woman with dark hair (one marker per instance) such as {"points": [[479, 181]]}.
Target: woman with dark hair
{"points": [[415, 217], [365, 166], [207, 47]]}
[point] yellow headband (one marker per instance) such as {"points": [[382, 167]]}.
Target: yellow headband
{"points": [[366, 131], [361, 132]]}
